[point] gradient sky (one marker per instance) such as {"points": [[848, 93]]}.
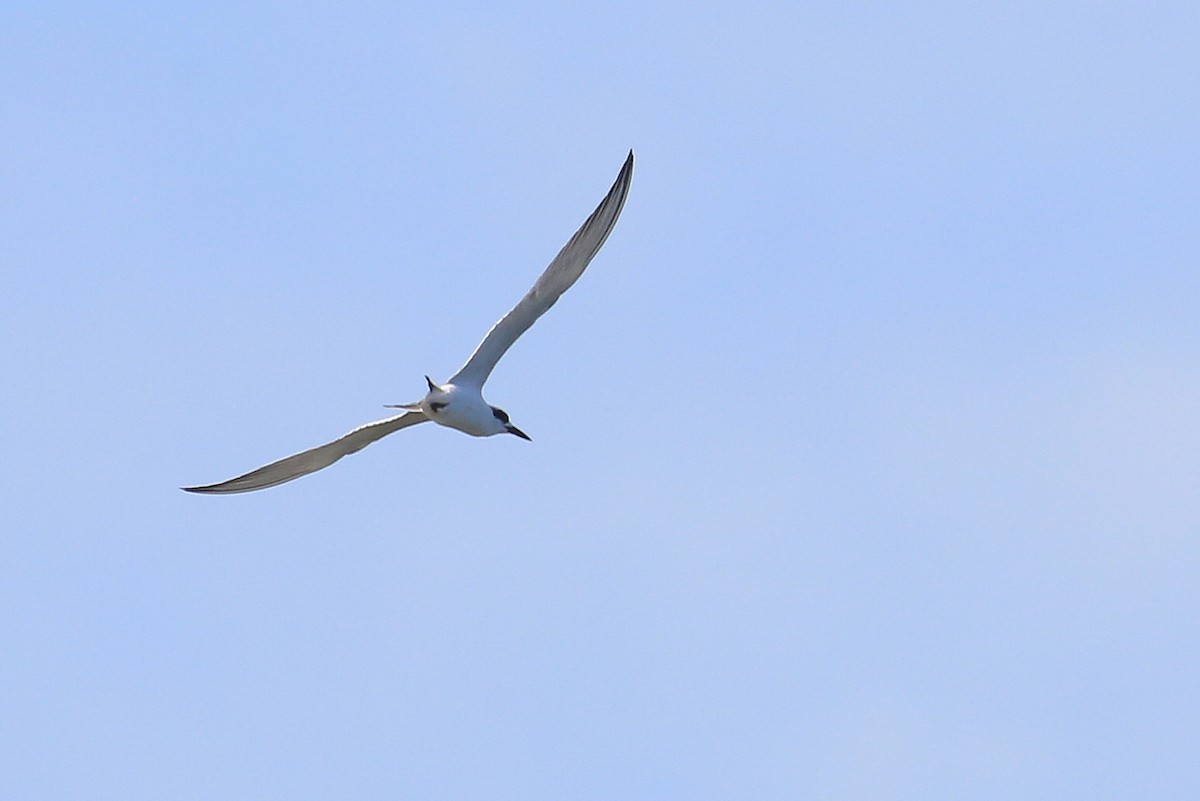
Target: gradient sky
{"points": [[865, 456]]}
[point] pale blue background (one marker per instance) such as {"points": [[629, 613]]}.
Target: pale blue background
{"points": [[866, 456]]}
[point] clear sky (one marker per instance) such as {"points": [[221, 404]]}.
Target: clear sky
{"points": [[865, 456]]}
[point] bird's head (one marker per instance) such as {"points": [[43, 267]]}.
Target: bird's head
{"points": [[502, 417]]}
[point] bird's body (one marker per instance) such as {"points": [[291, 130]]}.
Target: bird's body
{"points": [[462, 407], [459, 403]]}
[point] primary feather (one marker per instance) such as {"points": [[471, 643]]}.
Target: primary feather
{"points": [[557, 278], [313, 459]]}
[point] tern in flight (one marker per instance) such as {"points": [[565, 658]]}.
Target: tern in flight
{"points": [[459, 402]]}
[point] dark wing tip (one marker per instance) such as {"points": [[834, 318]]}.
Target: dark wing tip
{"points": [[209, 489]]}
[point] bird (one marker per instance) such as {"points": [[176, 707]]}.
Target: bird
{"points": [[459, 403]]}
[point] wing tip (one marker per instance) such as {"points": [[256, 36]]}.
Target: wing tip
{"points": [[212, 489]]}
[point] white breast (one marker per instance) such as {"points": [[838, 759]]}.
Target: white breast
{"points": [[461, 408]]}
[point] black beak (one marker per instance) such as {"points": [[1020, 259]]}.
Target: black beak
{"points": [[514, 430], [429, 381]]}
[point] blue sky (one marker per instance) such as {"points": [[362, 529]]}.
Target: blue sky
{"points": [[865, 455]]}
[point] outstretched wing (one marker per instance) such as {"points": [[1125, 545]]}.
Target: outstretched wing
{"points": [[312, 460], [566, 268]]}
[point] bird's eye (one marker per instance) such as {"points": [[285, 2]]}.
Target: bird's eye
{"points": [[500, 414]]}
